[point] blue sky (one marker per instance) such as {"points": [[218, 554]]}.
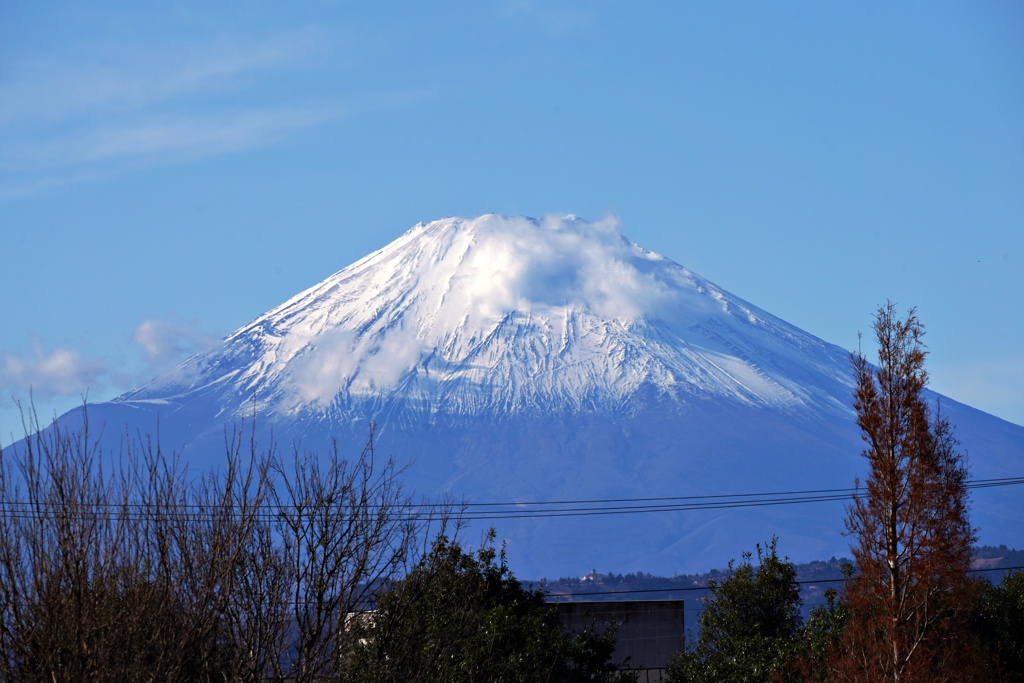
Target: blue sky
{"points": [[171, 170]]}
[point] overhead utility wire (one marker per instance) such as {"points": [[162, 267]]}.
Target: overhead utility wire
{"points": [[635, 509], [972, 483], [709, 502], [520, 510], [663, 498]]}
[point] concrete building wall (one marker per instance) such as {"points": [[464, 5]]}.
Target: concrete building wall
{"points": [[648, 632]]}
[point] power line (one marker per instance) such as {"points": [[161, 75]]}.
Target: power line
{"points": [[492, 511], [610, 506], [972, 483]]}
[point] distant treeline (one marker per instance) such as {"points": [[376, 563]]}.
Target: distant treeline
{"points": [[989, 561], [815, 577]]}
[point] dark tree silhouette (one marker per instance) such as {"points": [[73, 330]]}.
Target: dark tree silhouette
{"points": [[464, 617], [1000, 623]]}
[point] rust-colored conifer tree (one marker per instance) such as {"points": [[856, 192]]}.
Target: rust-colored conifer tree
{"points": [[910, 602]]}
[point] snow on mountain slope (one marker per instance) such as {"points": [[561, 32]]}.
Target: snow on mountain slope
{"points": [[513, 359], [511, 315]]}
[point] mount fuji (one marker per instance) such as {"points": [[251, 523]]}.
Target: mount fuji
{"points": [[518, 360]]}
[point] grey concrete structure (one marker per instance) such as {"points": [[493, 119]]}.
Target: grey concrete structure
{"points": [[648, 632]]}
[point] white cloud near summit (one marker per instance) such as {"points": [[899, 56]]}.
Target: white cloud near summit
{"points": [[166, 343], [443, 296], [561, 261]]}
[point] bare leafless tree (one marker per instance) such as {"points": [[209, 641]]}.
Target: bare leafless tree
{"points": [[123, 567], [346, 529]]}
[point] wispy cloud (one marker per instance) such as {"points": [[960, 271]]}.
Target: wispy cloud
{"points": [[27, 188], [60, 371], [168, 342], [176, 139], [130, 107], [49, 371], [557, 18], [133, 78]]}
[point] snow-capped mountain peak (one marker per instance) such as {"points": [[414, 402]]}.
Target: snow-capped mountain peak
{"points": [[512, 314], [508, 358]]}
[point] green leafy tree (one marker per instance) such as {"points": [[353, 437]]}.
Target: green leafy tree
{"points": [[464, 617], [1000, 622], [749, 624], [820, 637]]}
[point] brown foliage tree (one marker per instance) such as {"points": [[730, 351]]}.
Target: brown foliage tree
{"points": [[909, 604]]}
